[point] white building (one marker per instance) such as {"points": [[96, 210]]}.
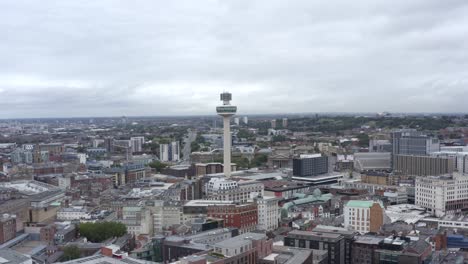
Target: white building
{"points": [[138, 220], [237, 191], [246, 120], [442, 194], [73, 213], [236, 121], [137, 144], [166, 214], [268, 213], [364, 216], [169, 152]]}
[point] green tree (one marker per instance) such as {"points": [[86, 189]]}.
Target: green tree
{"points": [[259, 160], [241, 162], [244, 133], [100, 231], [363, 140], [194, 146], [71, 252], [279, 138], [157, 165]]}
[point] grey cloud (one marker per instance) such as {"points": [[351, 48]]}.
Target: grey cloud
{"points": [[100, 58]]}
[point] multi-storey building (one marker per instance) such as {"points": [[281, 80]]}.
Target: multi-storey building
{"points": [[460, 159], [231, 190], [47, 234], [364, 216], [413, 142], [442, 194], [364, 247], [333, 243], [20, 155], [268, 213], [422, 165], [7, 228], [403, 250], [137, 144], [310, 165], [73, 213], [349, 238], [169, 152], [244, 216], [165, 214], [244, 249], [54, 149], [138, 220]]}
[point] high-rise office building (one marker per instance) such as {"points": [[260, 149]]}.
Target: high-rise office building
{"points": [[226, 111], [236, 121], [412, 142], [310, 165], [246, 120]]}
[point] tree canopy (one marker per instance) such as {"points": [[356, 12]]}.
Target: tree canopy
{"points": [[71, 253], [157, 165], [100, 231]]}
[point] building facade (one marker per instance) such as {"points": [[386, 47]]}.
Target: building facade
{"points": [[169, 152], [7, 228], [243, 217], [423, 165], [268, 213], [334, 244], [442, 194], [310, 165], [364, 216]]}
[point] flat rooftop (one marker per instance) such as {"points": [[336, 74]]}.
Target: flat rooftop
{"points": [[299, 233], [368, 240], [240, 240], [29, 187], [100, 259], [207, 203]]}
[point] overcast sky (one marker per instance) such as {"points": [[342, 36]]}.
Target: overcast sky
{"points": [[112, 58]]}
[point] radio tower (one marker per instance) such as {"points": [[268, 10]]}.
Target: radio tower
{"points": [[226, 111]]}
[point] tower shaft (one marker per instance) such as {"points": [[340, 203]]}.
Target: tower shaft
{"points": [[227, 146]]}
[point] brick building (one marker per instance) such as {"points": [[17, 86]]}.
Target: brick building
{"points": [[244, 217], [7, 228]]}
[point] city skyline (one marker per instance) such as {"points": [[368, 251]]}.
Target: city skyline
{"points": [[98, 59]]}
